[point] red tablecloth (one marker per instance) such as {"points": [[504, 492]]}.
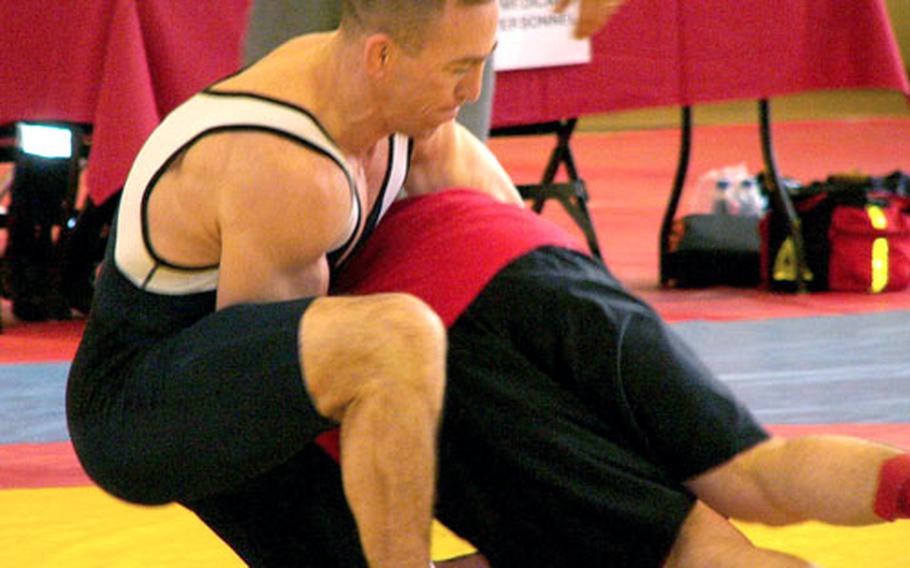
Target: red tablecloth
{"points": [[683, 52], [120, 65]]}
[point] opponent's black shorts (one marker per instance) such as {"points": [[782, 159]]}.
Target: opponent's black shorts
{"points": [[572, 416]]}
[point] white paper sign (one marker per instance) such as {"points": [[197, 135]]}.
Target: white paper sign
{"points": [[532, 35]]}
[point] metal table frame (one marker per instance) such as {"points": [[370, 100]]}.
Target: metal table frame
{"points": [[572, 194], [782, 210]]}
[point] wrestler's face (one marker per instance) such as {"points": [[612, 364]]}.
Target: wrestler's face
{"points": [[430, 85]]}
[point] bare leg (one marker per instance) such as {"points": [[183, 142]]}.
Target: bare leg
{"points": [[832, 479], [708, 540], [376, 364]]}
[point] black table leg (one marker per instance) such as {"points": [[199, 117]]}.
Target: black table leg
{"points": [[682, 168], [782, 209], [573, 194]]}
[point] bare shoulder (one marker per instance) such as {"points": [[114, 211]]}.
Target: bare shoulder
{"points": [[453, 157], [282, 176], [275, 189]]}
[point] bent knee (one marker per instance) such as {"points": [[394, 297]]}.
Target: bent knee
{"points": [[371, 345], [408, 314], [407, 328], [406, 342]]}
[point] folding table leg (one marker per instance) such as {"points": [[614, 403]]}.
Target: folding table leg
{"points": [[679, 181], [782, 210], [781, 203], [572, 195]]}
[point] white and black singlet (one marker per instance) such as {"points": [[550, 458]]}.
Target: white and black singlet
{"points": [[169, 399], [213, 112]]}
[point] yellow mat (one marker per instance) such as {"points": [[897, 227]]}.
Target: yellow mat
{"points": [[83, 527]]}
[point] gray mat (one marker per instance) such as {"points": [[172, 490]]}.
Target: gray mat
{"points": [[833, 369], [32, 403], [788, 371]]}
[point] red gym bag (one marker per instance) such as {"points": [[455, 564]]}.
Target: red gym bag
{"points": [[856, 236]]}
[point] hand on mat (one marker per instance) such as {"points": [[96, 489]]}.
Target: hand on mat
{"points": [[592, 15]]}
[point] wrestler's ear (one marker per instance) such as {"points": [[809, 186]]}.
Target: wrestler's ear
{"points": [[378, 52]]}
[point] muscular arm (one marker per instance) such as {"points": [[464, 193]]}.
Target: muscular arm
{"points": [[827, 478], [453, 157], [282, 209]]}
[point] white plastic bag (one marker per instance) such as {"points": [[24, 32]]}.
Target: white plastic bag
{"points": [[730, 190]]}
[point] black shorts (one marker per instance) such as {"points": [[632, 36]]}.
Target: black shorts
{"points": [[193, 413], [573, 415]]}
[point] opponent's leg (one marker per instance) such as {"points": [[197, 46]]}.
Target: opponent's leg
{"points": [[833, 479], [708, 540], [376, 364]]}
